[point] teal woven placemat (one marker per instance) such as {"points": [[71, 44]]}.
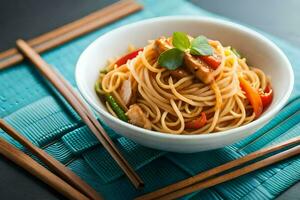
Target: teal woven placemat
{"points": [[29, 104]]}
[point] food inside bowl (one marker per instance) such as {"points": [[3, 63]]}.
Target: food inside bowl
{"points": [[184, 85]]}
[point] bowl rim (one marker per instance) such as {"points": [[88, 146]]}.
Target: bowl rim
{"points": [[153, 133]]}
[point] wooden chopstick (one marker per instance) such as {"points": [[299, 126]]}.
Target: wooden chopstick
{"points": [[69, 27], [33, 167], [221, 179], [83, 111], [196, 182], [97, 125], [53, 164], [72, 30], [93, 120]]}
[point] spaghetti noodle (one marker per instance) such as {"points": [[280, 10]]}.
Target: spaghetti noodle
{"points": [[173, 104]]}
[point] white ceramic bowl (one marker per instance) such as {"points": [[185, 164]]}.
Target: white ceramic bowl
{"points": [[258, 50]]}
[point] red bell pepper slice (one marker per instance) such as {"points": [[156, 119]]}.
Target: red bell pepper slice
{"points": [[253, 97], [213, 61], [197, 123], [266, 96], [123, 60]]}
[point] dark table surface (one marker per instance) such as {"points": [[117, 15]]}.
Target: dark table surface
{"points": [[19, 19]]}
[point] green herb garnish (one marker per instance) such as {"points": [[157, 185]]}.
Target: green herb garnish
{"points": [[200, 47], [181, 41], [173, 58]]}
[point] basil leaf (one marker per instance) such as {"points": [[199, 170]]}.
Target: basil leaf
{"points": [[201, 47], [181, 41], [171, 59]]}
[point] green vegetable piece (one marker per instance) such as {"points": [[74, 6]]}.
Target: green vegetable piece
{"points": [[235, 52], [104, 71], [116, 108], [171, 59], [201, 47], [98, 87], [181, 41]]}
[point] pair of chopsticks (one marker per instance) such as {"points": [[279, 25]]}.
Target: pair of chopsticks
{"points": [[212, 177], [65, 182], [55, 38], [68, 184], [72, 30], [81, 108]]}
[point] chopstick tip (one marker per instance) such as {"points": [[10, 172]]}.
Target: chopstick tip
{"points": [[21, 43], [140, 185], [20, 40]]}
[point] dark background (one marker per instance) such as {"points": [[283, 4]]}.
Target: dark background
{"points": [[26, 19], [29, 18]]}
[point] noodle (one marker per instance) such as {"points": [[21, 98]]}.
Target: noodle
{"points": [[169, 103]]}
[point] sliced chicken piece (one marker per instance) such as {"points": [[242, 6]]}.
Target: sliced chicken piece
{"points": [[126, 92], [179, 73], [134, 86], [195, 65], [163, 44], [199, 68], [137, 117]]}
